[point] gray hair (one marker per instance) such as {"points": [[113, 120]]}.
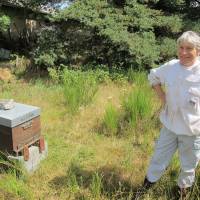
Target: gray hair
{"points": [[190, 37]]}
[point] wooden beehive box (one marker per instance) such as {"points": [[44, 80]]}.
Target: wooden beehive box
{"points": [[19, 126]]}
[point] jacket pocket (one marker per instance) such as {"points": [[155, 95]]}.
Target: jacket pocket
{"points": [[197, 145]]}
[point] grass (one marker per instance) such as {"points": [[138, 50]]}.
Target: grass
{"points": [[79, 88], [14, 187], [81, 163], [136, 77], [111, 120], [138, 106], [96, 185]]}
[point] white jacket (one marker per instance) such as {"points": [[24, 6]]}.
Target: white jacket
{"points": [[182, 86]]}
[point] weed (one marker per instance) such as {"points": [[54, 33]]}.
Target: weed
{"points": [[54, 74], [102, 76]]}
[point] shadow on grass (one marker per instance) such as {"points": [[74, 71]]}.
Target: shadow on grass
{"points": [[111, 183]]}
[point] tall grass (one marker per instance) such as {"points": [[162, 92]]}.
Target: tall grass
{"points": [[138, 105], [111, 120], [137, 77], [79, 88], [72, 182], [96, 185]]}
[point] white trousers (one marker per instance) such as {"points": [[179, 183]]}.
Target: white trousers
{"points": [[189, 155]]}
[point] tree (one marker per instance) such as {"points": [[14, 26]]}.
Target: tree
{"points": [[119, 34]]}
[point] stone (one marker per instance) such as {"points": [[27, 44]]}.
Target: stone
{"points": [[35, 157], [4, 54], [6, 104]]}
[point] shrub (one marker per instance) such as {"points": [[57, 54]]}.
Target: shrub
{"points": [[101, 75], [46, 60], [55, 75], [50, 50]]}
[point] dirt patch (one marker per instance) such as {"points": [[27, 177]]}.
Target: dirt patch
{"points": [[6, 75]]}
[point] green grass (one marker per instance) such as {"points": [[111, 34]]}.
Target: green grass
{"points": [[81, 163], [111, 120], [138, 105], [79, 88], [96, 185], [137, 77], [15, 188]]}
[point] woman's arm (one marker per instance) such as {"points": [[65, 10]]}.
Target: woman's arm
{"points": [[160, 93]]}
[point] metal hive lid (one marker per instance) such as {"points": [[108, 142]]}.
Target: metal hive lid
{"points": [[18, 115]]}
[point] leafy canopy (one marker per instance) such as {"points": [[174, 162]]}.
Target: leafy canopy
{"points": [[129, 33]]}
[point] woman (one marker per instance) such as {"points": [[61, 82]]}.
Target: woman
{"points": [[181, 114]]}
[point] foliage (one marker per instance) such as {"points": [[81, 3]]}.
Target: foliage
{"points": [[174, 5], [47, 54], [101, 75], [192, 25], [55, 75], [116, 34], [4, 22], [167, 48], [28, 3], [46, 59], [121, 46]]}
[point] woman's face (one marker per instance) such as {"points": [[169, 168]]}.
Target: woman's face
{"points": [[187, 54]]}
